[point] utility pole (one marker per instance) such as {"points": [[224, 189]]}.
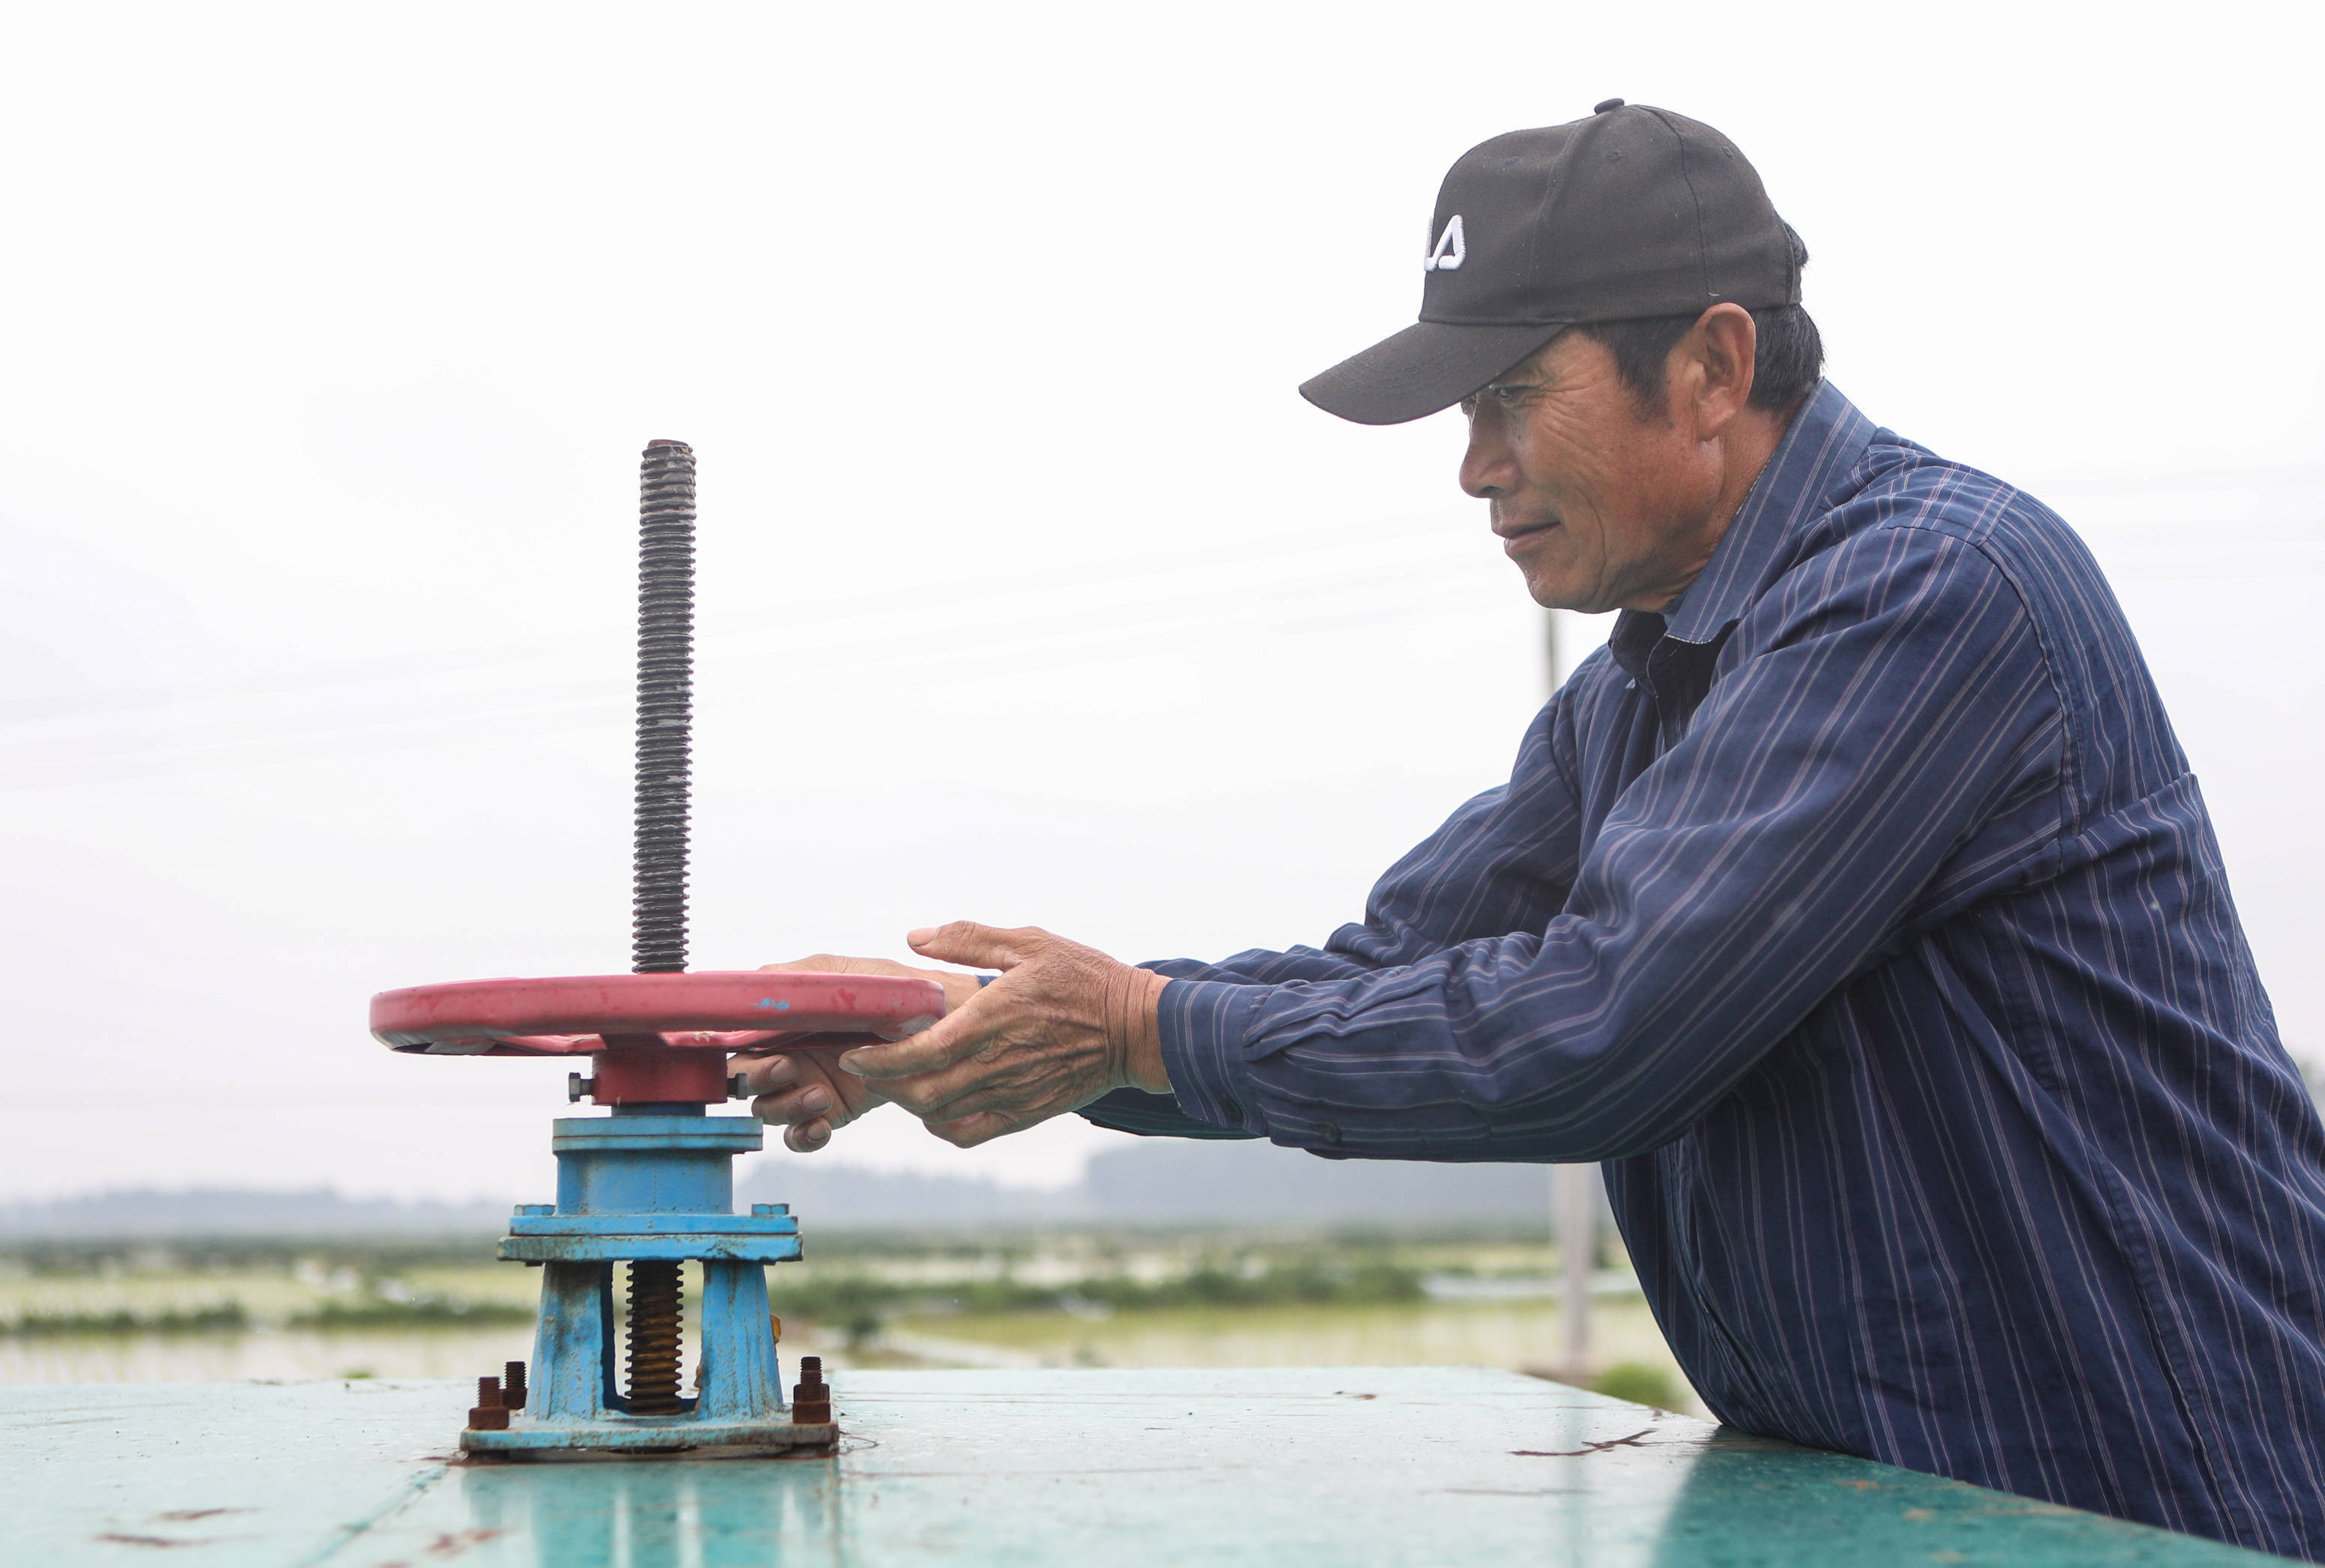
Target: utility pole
{"points": [[1573, 1189]]}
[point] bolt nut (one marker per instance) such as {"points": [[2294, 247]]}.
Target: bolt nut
{"points": [[512, 1386], [812, 1396], [738, 1086], [577, 1088], [489, 1414]]}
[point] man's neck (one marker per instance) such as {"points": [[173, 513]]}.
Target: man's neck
{"points": [[1746, 448]]}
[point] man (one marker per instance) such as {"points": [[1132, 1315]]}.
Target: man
{"points": [[1855, 905]]}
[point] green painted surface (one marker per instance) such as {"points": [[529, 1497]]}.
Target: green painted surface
{"points": [[1288, 1468]]}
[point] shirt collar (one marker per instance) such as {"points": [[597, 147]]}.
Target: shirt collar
{"points": [[1826, 439]]}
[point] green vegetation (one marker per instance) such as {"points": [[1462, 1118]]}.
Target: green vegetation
{"points": [[108, 1259], [860, 1302], [1641, 1383], [426, 1312], [226, 1317]]}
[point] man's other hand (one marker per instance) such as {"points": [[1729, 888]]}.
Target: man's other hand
{"points": [[801, 1089], [1063, 1025]]}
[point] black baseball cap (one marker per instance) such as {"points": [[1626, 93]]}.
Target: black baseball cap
{"points": [[1631, 212]]}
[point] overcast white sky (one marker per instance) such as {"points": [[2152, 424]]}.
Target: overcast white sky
{"points": [[1032, 590]]}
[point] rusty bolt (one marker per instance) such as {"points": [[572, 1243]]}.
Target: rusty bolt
{"points": [[812, 1396], [512, 1386], [490, 1415]]}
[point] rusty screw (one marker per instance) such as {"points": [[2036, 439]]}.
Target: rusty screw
{"points": [[512, 1386], [490, 1415], [657, 1316], [810, 1396]]}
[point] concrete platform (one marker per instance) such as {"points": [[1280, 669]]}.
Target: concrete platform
{"points": [[1299, 1468]]}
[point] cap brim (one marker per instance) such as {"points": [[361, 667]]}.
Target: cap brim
{"points": [[1428, 366]]}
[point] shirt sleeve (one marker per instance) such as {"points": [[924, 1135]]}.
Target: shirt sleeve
{"points": [[1890, 732], [1504, 861]]}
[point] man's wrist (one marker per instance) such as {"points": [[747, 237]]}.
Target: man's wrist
{"points": [[1142, 1033]]}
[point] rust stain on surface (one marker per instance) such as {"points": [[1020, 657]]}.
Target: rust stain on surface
{"points": [[1630, 1441], [453, 1543]]}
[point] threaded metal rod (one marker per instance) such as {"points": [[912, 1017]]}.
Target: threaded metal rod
{"points": [[665, 706], [656, 1303]]}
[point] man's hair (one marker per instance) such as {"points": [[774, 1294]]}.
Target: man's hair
{"points": [[1785, 366]]}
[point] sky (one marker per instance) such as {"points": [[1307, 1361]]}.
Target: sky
{"points": [[1031, 592]]}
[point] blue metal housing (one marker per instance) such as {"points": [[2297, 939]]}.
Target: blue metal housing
{"points": [[650, 1183]]}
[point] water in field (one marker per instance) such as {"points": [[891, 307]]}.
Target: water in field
{"points": [[265, 1354], [1063, 1302], [1517, 1337]]}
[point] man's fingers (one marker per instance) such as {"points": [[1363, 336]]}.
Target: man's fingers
{"points": [[949, 1039], [966, 942], [958, 988], [799, 1106], [768, 1073], [806, 1137], [969, 1089], [932, 1094]]}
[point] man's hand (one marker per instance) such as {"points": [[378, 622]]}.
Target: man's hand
{"points": [[801, 1088], [1063, 1025]]}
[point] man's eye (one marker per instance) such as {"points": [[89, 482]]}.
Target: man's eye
{"points": [[1504, 397]]}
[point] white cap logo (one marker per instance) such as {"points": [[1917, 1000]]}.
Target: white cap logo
{"points": [[1450, 250]]}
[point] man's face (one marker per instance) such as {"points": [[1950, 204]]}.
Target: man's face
{"points": [[1602, 505]]}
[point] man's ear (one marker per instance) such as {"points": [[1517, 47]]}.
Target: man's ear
{"points": [[1721, 345]]}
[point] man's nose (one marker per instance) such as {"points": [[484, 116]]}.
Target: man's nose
{"points": [[1488, 470]]}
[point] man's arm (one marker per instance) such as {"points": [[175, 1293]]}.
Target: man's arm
{"points": [[1037, 1042], [1504, 861], [1889, 749]]}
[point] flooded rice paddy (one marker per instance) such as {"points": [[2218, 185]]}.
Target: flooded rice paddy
{"points": [[283, 1312]]}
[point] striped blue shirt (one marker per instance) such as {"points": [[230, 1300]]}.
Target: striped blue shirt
{"points": [[1864, 917]]}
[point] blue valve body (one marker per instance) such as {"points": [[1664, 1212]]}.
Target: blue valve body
{"points": [[652, 1183]]}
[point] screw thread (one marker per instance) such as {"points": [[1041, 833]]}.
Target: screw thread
{"points": [[665, 706], [656, 1298]]}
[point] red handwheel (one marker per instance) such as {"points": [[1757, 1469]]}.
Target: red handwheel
{"points": [[660, 1038]]}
